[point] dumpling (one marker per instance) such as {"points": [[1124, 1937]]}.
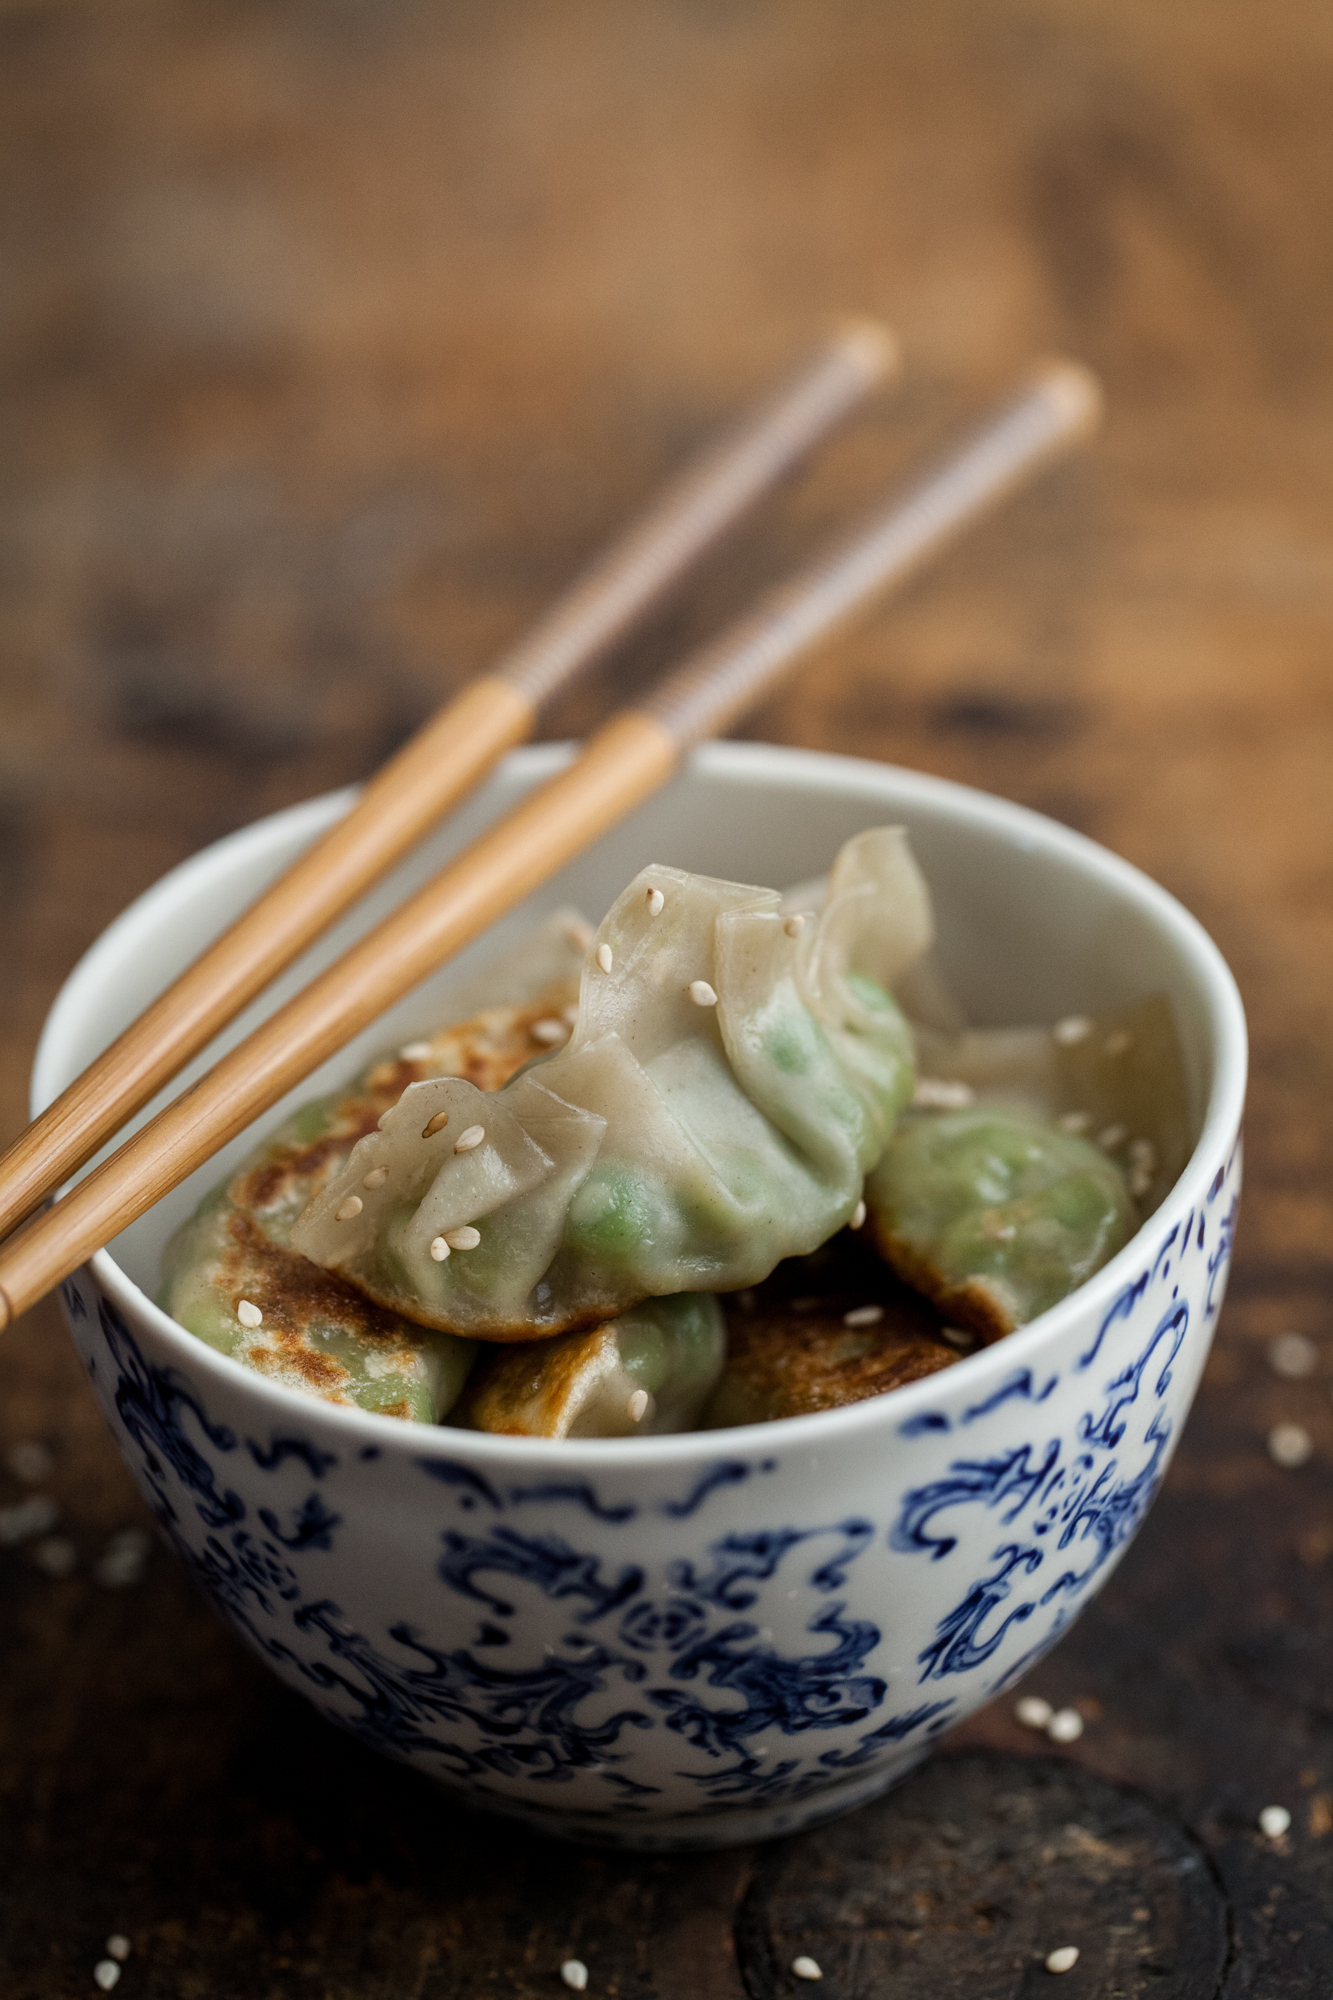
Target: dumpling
{"points": [[642, 1375], [315, 1331], [993, 1215], [732, 1074]]}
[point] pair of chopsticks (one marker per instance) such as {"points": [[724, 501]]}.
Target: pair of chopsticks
{"points": [[631, 756]]}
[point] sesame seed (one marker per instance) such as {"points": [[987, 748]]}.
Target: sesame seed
{"points": [[123, 1560], [1062, 1960], [1292, 1355], [1119, 1043], [1289, 1445], [1033, 1712], [468, 1141], [863, 1316], [375, 1178], [465, 1237], [29, 1461], [1075, 1121], [118, 1946], [56, 1556], [1274, 1822], [346, 1210], [604, 957], [439, 1249], [937, 1093], [806, 1968], [794, 926], [435, 1124], [858, 1216], [575, 1973], [638, 1406], [1140, 1182], [959, 1337], [27, 1519], [549, 1032], [578, 932], [106, 1972], [656, 902], [702, 993], [1143, 1150], [1074, 1028], [415, 1052], [249, 1314], [1065, 1726], [1112, 1136]]}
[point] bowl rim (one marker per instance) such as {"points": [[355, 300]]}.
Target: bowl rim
{"points": [[735, 764]]}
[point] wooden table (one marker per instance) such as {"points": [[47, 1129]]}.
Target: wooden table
{"points": [[334, 336]]}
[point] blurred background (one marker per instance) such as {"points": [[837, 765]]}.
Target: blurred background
{"points": [[335, 334]]}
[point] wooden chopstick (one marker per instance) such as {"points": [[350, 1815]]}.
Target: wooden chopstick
{"points": [[627, 759], [450, 754]]}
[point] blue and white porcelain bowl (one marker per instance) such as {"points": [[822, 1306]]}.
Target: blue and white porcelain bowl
{"points": [[688, 1641]]}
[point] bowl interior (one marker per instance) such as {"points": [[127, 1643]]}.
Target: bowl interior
{"points": [[1034, 921]]}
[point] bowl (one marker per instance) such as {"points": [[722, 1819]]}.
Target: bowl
{"points": [[687, 1641]]}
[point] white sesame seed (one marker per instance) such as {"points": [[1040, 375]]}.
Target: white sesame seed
{"points": [[794, 926], [605, 960], [638, 1406], [468, 1141], [123, 1560], [465, 1237], [1292, 1355], [439, 1249], [959, 1337], [1033, 1712], [1140, 1182], [1119, 1043], [575, 1973], [863, 1316], [345, 1210], [106, 1972], [249, 1314], [806, 1968], [29, 1461], [375, 1178], [1074, 1028], [858, 1216], [27, 1519], [937, 1093], [56, 1556], [435, 1124], [1062, 1960], [1289, 1445], [415, 1052], [578, 932], [118, 1946], [1075, 1121], [549, 1032], [1111, 1137], [1143, 1151], [656, 902], [1065, 1726], [702, 993], [1274, 1821]]}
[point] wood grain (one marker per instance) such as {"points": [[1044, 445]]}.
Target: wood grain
{"points": [[335, 339]]}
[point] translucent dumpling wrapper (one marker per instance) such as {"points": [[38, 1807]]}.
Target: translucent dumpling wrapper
{"points": [[1117, 1079], [643, 1375], [315, 1332], [732, 1074], [993, 1215]]}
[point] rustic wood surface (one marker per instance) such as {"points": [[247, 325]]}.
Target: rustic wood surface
{"points": [[334, 336]]}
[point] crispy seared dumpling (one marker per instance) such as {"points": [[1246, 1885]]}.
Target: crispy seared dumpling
{"points": [[994, 1216], [645, 1374], [781, 1363], [315, 1331], [732, 1074]]}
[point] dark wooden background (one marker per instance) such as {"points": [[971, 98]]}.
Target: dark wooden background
{"points": [[335, 332]]}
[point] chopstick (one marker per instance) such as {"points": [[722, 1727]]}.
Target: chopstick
{"points": [[449, 755], [621, 765]]}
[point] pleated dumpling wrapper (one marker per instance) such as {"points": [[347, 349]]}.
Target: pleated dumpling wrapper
{"points": [[230, 1275], [649, 1372], [732, 1075]]}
